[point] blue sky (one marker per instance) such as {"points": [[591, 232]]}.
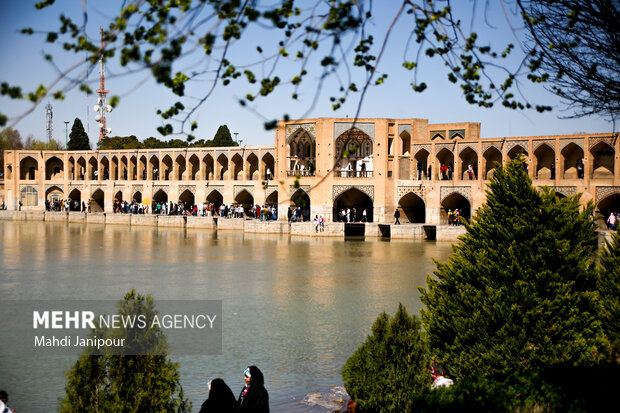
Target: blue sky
{"points": [[23, 64]]}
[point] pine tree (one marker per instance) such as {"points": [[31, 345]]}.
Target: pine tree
{"points": [[127, 383], [78, 139], [389, 369], [519, 292], [609, 288], [222, 137]]}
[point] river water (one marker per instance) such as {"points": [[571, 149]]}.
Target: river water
{"points": [[295, 307]]}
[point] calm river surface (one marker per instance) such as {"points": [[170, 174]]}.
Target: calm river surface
{"points": [[295, 307]]}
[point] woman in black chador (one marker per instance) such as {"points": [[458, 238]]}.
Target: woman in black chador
{"points": [[221, 398], [254, 397]]}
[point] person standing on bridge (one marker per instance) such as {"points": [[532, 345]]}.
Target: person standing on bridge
{"points": [[396, 217]]}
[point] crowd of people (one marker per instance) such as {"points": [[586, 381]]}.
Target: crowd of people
{"points": [[454, 217], [352, 215], [65, 205]]}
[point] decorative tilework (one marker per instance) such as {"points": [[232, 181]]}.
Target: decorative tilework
{"points": [[487, 144], [512, 144], [75, 186], [137, 187], [308, 127], [103, 155], [446, 191], [577, 141], [610, 140], [603, 192], [33, 188], [432, 134], [549, 142], [460, 132], [237, 189], [472, 146], [191, 188], [401, 191], [292, 189], [50, 186], [219, 189], [440, 146], [339, 189], [418, 147], [342, 127], [163, 188]]}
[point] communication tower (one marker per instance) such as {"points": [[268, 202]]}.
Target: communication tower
{"points": [[49, 122], [101, 108]]}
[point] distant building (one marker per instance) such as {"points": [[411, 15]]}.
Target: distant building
{"points": [[386, 165]]}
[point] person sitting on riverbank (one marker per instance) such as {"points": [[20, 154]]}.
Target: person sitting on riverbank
{"points": [[254, 397], [221, 399]]}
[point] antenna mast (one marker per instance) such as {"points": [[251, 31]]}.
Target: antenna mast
{"points": [[101, 107], [49, 122]]}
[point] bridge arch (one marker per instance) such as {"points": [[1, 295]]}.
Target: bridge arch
{"points": [[455, 201], [413, 207], [353, 198], [97, 201]]}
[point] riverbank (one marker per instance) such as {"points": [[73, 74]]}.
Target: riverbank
{"points": [[304, 229]]}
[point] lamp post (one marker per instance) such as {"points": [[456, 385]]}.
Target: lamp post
{"points": [[66, 135]]}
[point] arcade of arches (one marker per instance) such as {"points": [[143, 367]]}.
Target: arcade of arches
{"points": [[323, 166]]}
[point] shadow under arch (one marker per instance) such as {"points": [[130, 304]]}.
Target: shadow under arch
{"points": [[160, 196], [272, 199], [246, 200], [452, 202], [75, 197], [413, 207], [607, 205], [216, 199], [301, 199], [350, 199], [97, 201], [187, 198]]}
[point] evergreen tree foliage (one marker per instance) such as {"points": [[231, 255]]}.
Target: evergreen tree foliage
{"points": [[127, 383], [9, 139], [519, 292], [609, 289], [78, 139], [385, 373], [118, 142], [222, 137]]}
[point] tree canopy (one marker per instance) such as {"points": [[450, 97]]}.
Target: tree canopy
{"points": [[572, 47], [390, 368], [222, 138], [127, 383], [78, 139], [520, 291], [609, 288]]}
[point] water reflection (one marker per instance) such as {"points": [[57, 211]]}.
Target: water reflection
{"points": [[296, 307]]}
